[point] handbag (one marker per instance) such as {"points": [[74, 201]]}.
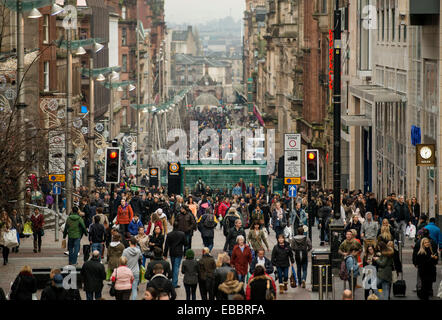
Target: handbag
{"points": [[10, 238], [269, 292], [112, 288], [42, 232], [142, 273]]}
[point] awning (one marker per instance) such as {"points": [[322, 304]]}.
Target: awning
{"points": [[356, 121], [375, 94]]}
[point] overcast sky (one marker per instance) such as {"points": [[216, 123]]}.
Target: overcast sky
{"points": [[197, 11]]}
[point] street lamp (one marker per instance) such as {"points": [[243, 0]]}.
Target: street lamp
{"points": [[56, 9], [98, 47], [131, 87], [80, 51], [34, 14]]}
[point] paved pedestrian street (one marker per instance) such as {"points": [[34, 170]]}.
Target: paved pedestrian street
{"points": [[52, 256]]}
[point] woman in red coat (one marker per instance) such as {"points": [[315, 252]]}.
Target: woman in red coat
{"points": [[241, 258], [125, 215], [38, 222]]}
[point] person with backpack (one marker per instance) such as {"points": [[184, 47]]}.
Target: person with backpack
{"points": [[207, 224], [351, 268], [301, 245], [187, 224], [74, 229]]}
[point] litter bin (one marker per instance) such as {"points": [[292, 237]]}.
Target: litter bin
{"points": [[321, 260]]}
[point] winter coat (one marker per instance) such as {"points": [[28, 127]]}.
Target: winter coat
{"points": [[282, 256], [190, 270], [158, 223], [229, 221], [123, 278], [161, 284], [435, 233], [385, 265], [124, 215], [74, 227], [186, 222], [133, 255], [279, 223], [257, 241], [223, 207], [134, 226], [143, 242], [96, 233], [207, 232], [426, 266], [24, 286], [257, 287], [175, 242], [301, 245], [231, 237], [207, 267], [221, 275], [157, 240], [93, 275], [114, 253], [158, 260], [136, 204], [52, 293], [228, 289], [240, 260], [268, 266], [37, 222], [402, 212]]}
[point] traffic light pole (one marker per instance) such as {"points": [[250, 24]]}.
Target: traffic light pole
{"points": [[336, 226]]}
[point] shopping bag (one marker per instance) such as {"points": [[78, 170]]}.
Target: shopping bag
{"points": [[10, 238], [27, 229], [63, 244], [248, 277], [108, 274], [142, 273]]}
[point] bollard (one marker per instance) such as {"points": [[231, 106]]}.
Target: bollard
{"points": [[352, 284], [333, 286], [320, 283], [326, 282]]}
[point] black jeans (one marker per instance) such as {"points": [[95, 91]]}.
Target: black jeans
{"points": [[206, 288], [190, 291], [37, 240], [5, 252], [122, 294]]}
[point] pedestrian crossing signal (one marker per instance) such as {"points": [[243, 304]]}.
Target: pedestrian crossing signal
{"points": [[112, 166], [312, 165]]}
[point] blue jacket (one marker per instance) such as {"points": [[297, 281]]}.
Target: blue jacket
{"points": [[237, 191], [434, 233], [134, 226]]}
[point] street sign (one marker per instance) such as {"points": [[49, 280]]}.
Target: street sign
{"points": [[76, 167], [292, 155], [56, 188], [290, 181], [57, 177], [292, 163], [57, 152], [292, 191], [292, 141]]}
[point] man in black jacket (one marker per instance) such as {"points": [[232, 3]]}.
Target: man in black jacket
{"points": [[175, 243], [55, 290], [236, 231], [93, 275], [261, 259], [158, 258], [402, 216], [160, 282], [97, 234], [187, 224], [136, 203]]}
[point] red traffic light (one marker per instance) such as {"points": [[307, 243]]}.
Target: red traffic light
{"points": [[113, 155], [311, 156]]}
